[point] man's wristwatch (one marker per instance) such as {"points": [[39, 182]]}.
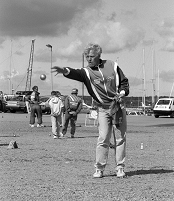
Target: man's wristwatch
{"points": [[66, 71]]}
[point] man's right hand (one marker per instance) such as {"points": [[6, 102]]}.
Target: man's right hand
{"points": [[58, 69]]}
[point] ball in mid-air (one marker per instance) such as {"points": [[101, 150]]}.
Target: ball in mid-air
{"points": [[43, 77]]}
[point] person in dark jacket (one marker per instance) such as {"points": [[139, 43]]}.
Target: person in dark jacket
{"points": [[36, 110], [106, 83], [73, 105]]}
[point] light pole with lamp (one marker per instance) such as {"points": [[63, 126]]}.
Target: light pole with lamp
{"points": [[50, 46]]}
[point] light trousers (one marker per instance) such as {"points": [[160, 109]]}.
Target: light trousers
{"points": [[105, 128], [56, 122], [28, 106]]}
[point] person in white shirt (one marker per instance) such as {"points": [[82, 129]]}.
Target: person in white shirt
{"points": [[56, 106]]}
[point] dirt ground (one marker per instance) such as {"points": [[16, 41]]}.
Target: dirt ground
{"points": [[45, 169]]}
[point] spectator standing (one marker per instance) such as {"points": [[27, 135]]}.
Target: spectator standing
{"points": [[63, 108], [36, 110], [104, 81], [56, 106], [73, 105]]}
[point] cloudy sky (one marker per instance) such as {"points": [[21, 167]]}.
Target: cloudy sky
{"points": [[139, 34]]}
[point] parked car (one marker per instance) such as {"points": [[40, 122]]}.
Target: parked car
{"points": [[16, 103], [164, 107], [149, 112], [45, 105], [136, 113], [140, 113]]}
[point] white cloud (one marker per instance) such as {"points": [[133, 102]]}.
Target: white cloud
{"points": [[166, 30], [2, 39], [38, 18], [129, 14], [134, 81], [92, 26], [167, 76], [169, 45], [18, 52], [78, 21], [45, 56], [6, 74]]}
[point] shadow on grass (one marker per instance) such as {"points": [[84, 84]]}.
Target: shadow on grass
{"points": [[79, 137], [8, 136], [150, 171], [5, 144], [162, 125], [142, 172]]}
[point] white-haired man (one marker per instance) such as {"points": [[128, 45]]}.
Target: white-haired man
{"points": [[104, 81]]}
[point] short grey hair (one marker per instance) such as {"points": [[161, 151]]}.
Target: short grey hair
{"points": [[95, 47]]}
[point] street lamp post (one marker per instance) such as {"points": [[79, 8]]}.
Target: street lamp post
{"points": [[50, 46]]}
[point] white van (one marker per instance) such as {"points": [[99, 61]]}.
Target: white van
{"points": [[164, 107]]}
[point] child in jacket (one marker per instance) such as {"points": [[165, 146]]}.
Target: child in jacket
{"points": [[56, 106]]}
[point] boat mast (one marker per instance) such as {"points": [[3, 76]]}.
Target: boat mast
{"points": [[158, 86], [10, 75], [153, 75], [144, 81]]}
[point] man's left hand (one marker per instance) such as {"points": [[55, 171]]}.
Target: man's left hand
{"points": [[120, 95]]}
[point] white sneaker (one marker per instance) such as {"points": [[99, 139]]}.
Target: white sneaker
{"points": [[61, 134], [40, 125], [121, 173], [98, 174], [31, 125], [55, 137]]}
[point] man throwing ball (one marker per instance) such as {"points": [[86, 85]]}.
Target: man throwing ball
{"points": [[104, 81]]}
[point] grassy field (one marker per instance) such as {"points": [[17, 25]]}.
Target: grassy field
{"points": [[43, 168]]}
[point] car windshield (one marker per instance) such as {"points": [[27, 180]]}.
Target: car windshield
{"points": [[44, 99], [163, 102], [132, 113], [16, 98], [140, 113]]}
